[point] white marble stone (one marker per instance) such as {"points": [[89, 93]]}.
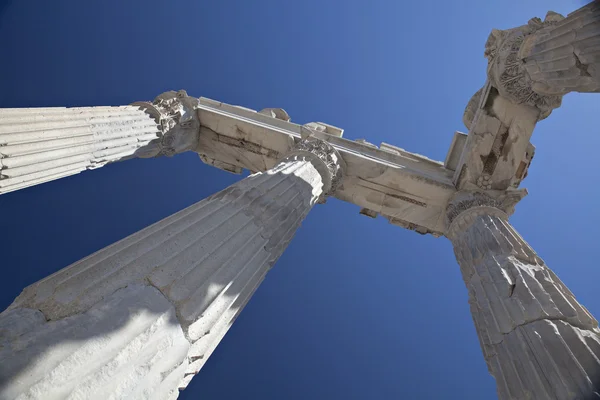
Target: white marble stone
{"points": [[38, 145], [159, 301], [408, 189], [129, 344], [162, 299], [537, 340], [42, 144], [539, 62]]}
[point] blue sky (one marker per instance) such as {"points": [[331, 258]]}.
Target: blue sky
{"points": [[355, 308]]}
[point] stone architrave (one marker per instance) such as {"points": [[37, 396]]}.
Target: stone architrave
{"points": [[138, 319], [38, 145], [537, 340]]}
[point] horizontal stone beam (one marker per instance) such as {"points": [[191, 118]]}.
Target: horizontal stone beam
{"points": [[408, 189]]}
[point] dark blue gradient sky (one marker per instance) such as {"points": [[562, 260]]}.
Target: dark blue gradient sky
{"points": [[355, 308]]}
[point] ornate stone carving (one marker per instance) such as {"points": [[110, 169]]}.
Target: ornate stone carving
{"points": [[326, 160], [507, 71], [564, 56], [176, 114], [484, 182], [465, 206], [464, 201]]}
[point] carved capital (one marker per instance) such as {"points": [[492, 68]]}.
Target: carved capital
{"points": [[506, 68], [177, 118], [464, 206], [326, 160]]}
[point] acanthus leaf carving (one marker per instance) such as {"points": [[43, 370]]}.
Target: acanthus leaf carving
{"points": [[506, 68], [177, 118], [326, 160], [465, 205]]}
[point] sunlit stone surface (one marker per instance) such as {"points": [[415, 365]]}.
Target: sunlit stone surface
{"points": [[139, 318], [38, 145]]}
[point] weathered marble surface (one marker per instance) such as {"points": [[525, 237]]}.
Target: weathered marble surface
{"points": [[186, 277], [42, 144], [38, 145], [530, 69], [177, 117], [538, 63], [408, 189], [497, 153], [128, 345], [537, 340]]}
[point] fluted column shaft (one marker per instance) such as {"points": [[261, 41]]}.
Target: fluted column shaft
{"points": [[139, 318], [565, 56], [538, 63], [537, 340], [38, 145], [42, 144]]}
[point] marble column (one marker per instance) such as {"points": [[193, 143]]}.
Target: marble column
{"points": [[536, 64], [38, 145], [537, 340], [138, 319], [564, 56]]}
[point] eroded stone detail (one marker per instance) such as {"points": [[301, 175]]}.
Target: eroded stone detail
{"points": [[464, 201], [484, 182], [564, 56], [537, 340], [507, 71], [176, 115], [498, 151], [471, 108], [536, 64]]}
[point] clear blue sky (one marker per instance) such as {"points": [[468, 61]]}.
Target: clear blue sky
{"points": [[356, 308]]}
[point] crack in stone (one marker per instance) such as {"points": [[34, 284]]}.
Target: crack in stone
{"points": [[180, 319], [544, 318], [582, 67], [511, 289]]}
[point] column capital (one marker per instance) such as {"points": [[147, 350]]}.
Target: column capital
{"points": [[177, 118], [325, 158], [504, 50], [464, 206]]}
